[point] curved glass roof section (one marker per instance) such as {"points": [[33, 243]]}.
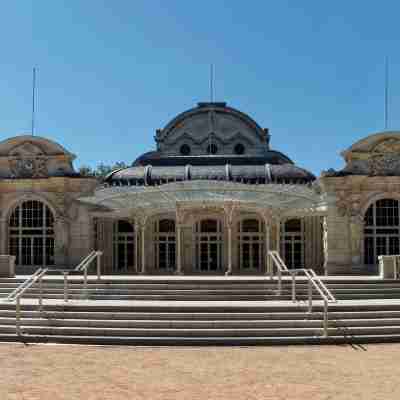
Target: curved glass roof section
{"points": [[126, 201]]}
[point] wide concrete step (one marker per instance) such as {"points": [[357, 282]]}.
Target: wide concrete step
{"points": [[201, 341], [206, 332], [199, 316], [203, 285], [170, 324], [200, 307], [125, 289], [203, 324], [206, 297]]}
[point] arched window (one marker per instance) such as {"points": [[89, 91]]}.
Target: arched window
{"points": [[31, 234], [208, 238], [381, 230], [251, 244], [164, 242], [124, 246], [292, 242]]}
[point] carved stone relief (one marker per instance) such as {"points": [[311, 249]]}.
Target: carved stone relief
{"points": [[28, 167], [391, 145], [384, 164]]}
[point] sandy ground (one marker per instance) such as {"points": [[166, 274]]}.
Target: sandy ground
{"points": [[50, 372]]}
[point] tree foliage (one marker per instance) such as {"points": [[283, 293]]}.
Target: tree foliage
{"points": [[102, 170]]}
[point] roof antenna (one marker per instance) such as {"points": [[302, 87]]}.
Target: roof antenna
{"points": [[211, 83], [33, 100], [386, 92]]}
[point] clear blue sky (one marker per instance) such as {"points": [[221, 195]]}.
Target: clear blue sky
{"points": [[111, 72]]}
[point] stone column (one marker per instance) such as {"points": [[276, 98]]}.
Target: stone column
{"points": [[229, 214], [356, 228], [136, 243], [3, 236], [325, 243], [61, 228], [178, 249], [278, 235], [266, 219], [141, 222], [143, 234], [179, 219]]}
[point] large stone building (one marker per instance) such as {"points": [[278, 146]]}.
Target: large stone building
{"points": [[211, 199]]}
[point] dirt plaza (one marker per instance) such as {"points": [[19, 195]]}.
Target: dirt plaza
{"points": [[43, 372]]}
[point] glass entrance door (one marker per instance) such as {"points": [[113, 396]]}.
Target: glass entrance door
{"points": [[208, 245], [164, 242]]}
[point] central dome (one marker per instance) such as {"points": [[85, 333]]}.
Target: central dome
{"points": [[211, 142], [212, 128]]}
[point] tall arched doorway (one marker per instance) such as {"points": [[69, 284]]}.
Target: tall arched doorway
{"points": [[292, 242], [164, 244], [208, 242], [31, 234], [124, 246], [251, 244], [381, 230]]}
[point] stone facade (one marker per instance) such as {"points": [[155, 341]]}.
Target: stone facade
{"points": [[52, 216], [371, 173], [37, 169]]}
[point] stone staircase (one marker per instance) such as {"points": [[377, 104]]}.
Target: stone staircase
{"points": [[201, 289], [194, 311]]}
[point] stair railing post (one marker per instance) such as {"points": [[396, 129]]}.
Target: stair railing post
{"points": [[310, 296], [85, 287], [279, 282], [293, 287], [271, 267], [99, 254], [65, 286], [325, 318], [18, 315], [40, 294]]}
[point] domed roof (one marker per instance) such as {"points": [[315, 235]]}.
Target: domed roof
{"points": [[375, 155], [220, 143], [27, 156], [215, 126], [245, 173]]}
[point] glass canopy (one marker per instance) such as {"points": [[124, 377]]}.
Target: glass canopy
{"points": [[287, 199]]}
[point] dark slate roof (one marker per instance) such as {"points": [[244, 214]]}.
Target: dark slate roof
{"points": [[245, 173], [157, 159]]}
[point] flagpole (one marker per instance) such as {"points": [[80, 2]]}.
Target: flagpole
{"points": [[33, 100], [386, 92]]}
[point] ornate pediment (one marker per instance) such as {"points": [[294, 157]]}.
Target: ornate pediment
{"points": [[384, 164], [390, 145], [28, 167], [27, 149], [27, 160]]}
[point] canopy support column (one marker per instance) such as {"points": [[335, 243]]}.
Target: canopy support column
{"points": [[141, 220], [278, 235], [136, 243], [229, 214], [178, 227], [266, 218]]}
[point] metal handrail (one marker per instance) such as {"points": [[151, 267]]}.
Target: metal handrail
{"points": [[79, 266], [16, 294], [28, 284], [24, 286], [85, 264], [313, 281]]}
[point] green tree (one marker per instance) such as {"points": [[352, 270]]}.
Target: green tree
{"points": [[101, 170]]}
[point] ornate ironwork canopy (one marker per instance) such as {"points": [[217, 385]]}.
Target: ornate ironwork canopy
{"points": [[284, 200]]}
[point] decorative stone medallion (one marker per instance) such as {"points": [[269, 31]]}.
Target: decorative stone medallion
{"points": [[391, 145], [28, 167], [384, 164]]}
